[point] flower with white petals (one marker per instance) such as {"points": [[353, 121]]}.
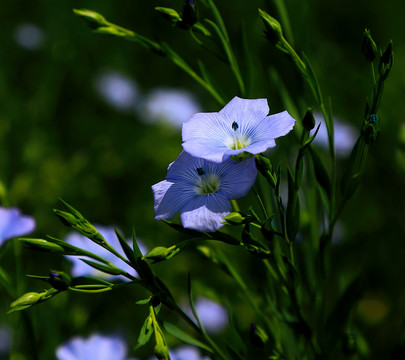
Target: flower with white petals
{"points": [[13, 223], [200, 190], [242, 125]]}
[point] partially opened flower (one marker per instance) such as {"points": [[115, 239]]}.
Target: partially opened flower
{"points": [[13, 223], [200, 190], [96, 347], [80, 268], [242, 125]]}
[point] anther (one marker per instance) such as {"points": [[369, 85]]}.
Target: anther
{"points": [[200, 171]]}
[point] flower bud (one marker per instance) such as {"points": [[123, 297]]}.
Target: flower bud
{"points": [[308, 122], [368, 46], [234, 218], [66, 218], [59, 280], [160, 253], [169, 14], [161, 350], [273, 32], [25, 301], [94, 19], [257, 335], [189, 16], [386, 60]]}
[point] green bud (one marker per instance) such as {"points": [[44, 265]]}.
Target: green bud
{"points": [[257, 335], [234, 218], [26, 300], [159, 253], [76, 220], [386, 61], [263, 164], [308, 122], [94, 19], [59, 280], [169, 14], [66, 218], [189, 16], [41, 244], [161, 350], [368, 46], [273, 32]]}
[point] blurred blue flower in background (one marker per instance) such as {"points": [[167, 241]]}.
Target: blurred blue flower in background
{"points": [[213, 316], [117, 90], [187, 353], [171, 106], [242, 125], [13, 223], [29, 36], [6, 339], [80, 268], [96, 347], [345, 135], [200, 190]]}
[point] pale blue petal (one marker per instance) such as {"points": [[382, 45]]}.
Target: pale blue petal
{"points": [[274, 126], [254, 148], [204, 135], [13, 223], [212, 315], [96, 347], [205, 148], [245, 112], [237, 178], [184, 168], [170, 197], [205, 213]]}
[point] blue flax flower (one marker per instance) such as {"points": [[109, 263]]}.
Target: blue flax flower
{"points": [[96, 347], [200, 190], [13, 223], [242, 125]]}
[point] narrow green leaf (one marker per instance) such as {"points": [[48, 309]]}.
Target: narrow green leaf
{"points": [[146, 332], [321, 173], [293, 208], [105, 268], [184, 337], [127, 249]]}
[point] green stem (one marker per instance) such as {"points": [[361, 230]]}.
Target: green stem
{"points": [[223, 35]]}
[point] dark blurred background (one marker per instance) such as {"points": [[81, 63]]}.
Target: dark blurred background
{"points": [[80, 119]]}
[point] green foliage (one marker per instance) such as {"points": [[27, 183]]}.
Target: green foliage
{"points": [[59, 139]]}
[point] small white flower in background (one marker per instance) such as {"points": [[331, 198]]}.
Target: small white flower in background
{"points": [[96, 347], [6, 339], [168, 105], [29, 36], [345, 135], [80, 268], [13, 224], [117, 90]]}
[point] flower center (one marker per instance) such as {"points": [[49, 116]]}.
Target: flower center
{"points": [[206, 183], [237, 140]]}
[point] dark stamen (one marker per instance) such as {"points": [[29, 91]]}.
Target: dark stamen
{"points": [[235, 126], [200, 171]]}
